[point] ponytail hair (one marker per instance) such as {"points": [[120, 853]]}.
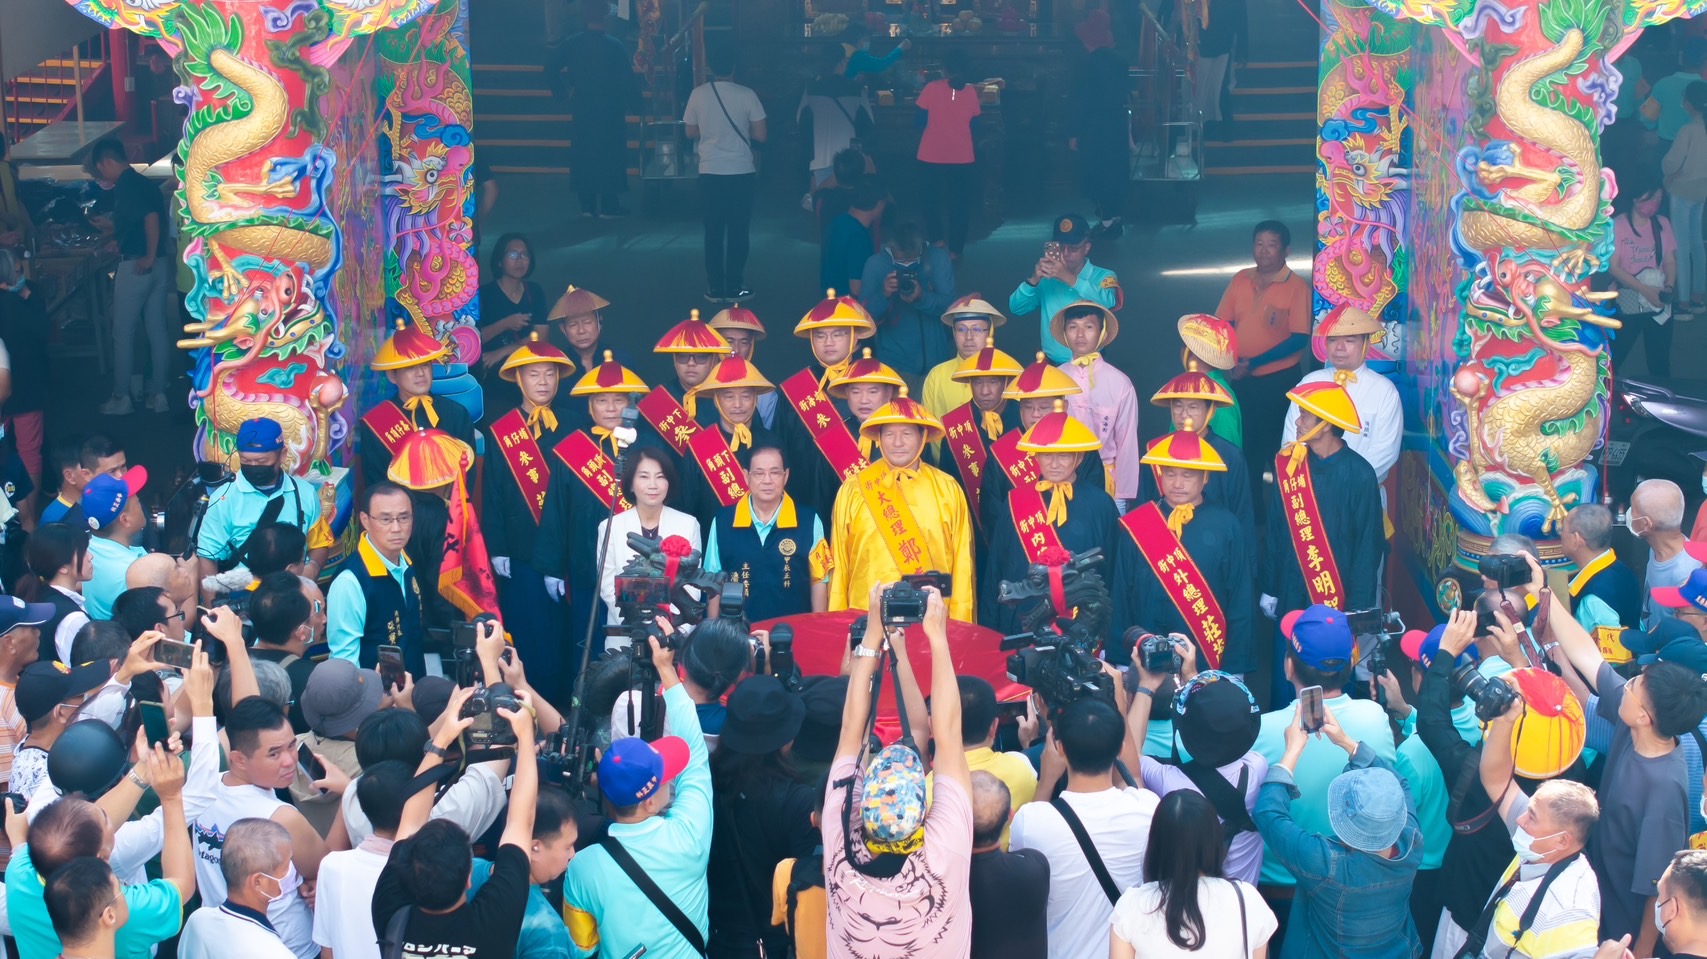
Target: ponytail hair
{"points": [[53, 547]]}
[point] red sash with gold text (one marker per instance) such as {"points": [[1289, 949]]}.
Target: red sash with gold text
{"points": [[1019, 467], [893, 517], [1303, 515], [722, 470], [389, 424], [667, 417], [1184, 583], [827, 430], [1037, 536], [521, 454], [966, 445], [582, 455]]}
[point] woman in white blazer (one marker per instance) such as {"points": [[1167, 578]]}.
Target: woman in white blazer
{"points": [[646, 482]]}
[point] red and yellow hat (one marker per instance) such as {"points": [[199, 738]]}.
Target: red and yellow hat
{"points": [[1211, 339], [1185, 450], [608, 377], [835, 311], [408, 347], [1329, 402], [988, 361], [902, 411], [733, 373], [1551, 734], [866, 369], [1192, 385], [1058, 432], [1348, 320], [1110, 322], [692, 335], [428, 459], [577, 302], [972, 307], [1041, 380], [535, 351], [738, 318]]}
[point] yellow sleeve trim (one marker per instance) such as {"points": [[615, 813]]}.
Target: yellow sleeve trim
{"points": [[583, 928], [821, 561]]}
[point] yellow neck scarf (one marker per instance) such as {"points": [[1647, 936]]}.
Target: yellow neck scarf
{"points": [[896, 474], [1179, 516], [834, 373], [541, 418], [1342, 377], [415, 403], [867, 446], [739, 435], [1300, 449], [992, 425], [603, 436], [1087, 362], [1060, 494], [690, 403]]}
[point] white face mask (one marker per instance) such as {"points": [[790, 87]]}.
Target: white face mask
{"points": [[1659, 924], [1524, 843]]}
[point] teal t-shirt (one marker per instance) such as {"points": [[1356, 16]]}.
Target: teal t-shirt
{"points": [[156, 914], [543, 936]]}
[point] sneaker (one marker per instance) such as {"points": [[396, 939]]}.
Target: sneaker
{"points": [[615, 214], [741, 295], [712, 296], [157, 403], [117, 406]]}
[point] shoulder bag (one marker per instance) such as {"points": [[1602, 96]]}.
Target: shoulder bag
{"points": [[1088, 848], [638, 876], [752, 151]]}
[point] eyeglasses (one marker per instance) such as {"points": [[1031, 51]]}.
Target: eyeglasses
{"points": [[516, 255], [180, 614], [389, 519]]}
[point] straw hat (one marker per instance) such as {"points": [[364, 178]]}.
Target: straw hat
{"points": [[1329, 402], [972, 307], [1110, 322], [1041, 380], [1348, 320], [866, 369], [408, 347], [988, 361], [738, 318], [608, 377], [692, 335], [428, 459], [577, 302], [1185, 450], [1192, 385], [534, 352], [902, 411], [733, 373], [1211, 339], [1058, 432], [834, 311]]}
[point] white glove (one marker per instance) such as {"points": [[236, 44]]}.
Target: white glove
{"points": [[501, 566], [1122, 506], [1268, 603], [554, 588]]}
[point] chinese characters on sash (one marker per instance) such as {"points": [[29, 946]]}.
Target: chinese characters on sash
{"points": [[1031, 521], [590, 464], [827, 430], [722, 470], [1184, 583], [667, 417], [893, 517], [389, 424], [1019, 467], [966, 445], [1303, 517], [521, 454]]}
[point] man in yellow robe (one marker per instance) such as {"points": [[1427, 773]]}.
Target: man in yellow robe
{"points": [[900, 516]]}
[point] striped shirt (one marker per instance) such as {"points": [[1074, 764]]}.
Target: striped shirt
{"points": [[1567, 926]]}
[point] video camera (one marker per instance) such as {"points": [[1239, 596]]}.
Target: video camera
{"points": [[643, 591], [1056, 655], [1374, 630], [1059, 670]]}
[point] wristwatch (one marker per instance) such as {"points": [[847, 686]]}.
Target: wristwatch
{"points": [[432, 749], [866, 652], [140, 783]]}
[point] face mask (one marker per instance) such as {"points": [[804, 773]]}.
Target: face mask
{"points": [[1524, 843], [283, 892], [1660, 924], [261, 477]]}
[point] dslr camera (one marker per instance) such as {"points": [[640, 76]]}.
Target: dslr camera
{"points": [[490, 730], [1505, 570], [907, 280], [1491, 696], [1157, 653], [904, 602]]}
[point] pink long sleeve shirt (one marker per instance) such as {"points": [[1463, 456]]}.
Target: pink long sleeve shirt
{"points": [[1109, 406]]}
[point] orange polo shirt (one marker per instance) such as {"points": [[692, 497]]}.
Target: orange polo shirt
{"points": [[1262, 320]]}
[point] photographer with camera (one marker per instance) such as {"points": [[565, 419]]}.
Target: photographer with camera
{"points": [[906, 287], [1643, 796], [421, 903], [1547, 902], [643, 888], [897, 876]]}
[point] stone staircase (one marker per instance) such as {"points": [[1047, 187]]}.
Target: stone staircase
{"points": [[1274, 122]]}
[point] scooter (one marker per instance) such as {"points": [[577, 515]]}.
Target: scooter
{"points": [[1657, 425]]}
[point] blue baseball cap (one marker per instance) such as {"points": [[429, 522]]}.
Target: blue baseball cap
{"points": [[1693, 592], [14, 612], [106, 495], [1670, 641], [260, 436], [1421, 647], [632, 770], [1071, 229], [1320, 637]]}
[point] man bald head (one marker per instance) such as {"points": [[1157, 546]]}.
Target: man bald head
{"points": [[1656, 509], [991, 805], [177, 577]]}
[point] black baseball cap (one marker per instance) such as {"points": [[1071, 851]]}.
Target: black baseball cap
{"points": [[43, 686], [1071, 229]]}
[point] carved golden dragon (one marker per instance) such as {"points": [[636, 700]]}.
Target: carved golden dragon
{"points": [[221, 143]]}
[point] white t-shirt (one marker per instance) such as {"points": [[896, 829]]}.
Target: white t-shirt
{"points": [[289, 915], [343, 905], [217, 932], [473, 802], [1118, 821], [722, 149], [1139, 919]]}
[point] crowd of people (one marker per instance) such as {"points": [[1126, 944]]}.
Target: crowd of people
{"points": [[270, 748]]}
